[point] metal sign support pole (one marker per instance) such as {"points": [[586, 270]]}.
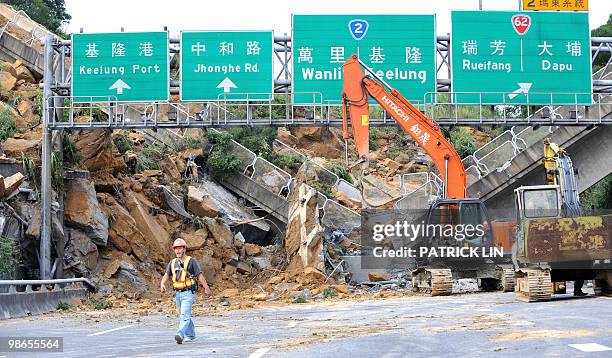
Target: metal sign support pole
{"points": [[45, 230]]}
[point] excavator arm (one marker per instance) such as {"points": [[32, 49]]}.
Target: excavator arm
{"points": [[426, 133]]}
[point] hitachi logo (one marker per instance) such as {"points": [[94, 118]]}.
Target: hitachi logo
{"points": [[400, 112]]}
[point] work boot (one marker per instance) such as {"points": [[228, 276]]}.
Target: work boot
{"points": [[580, 293], [178, 338]]}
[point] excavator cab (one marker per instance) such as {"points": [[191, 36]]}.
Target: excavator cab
{"points": [[462, 214], [538, 202]]}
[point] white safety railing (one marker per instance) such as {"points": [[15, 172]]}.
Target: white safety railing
{"points": [[21, 22], [419, 190]]}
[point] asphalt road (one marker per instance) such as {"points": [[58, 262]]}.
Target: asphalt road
{"points": [[479, 324]]}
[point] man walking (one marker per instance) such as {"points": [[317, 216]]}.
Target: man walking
{"points": [[184, 270]]}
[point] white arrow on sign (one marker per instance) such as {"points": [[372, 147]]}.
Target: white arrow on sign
{"points": [[523, 88], [119, 85], [226, 84]]}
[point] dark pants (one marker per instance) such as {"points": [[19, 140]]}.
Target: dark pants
{"points": [[578, 286]]}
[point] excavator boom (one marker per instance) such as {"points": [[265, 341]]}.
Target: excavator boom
{"points": [[426, 133]]}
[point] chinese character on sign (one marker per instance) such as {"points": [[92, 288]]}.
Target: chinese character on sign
{"points": [[146, 49], [336, 54], [579, 3], [253, 48], [470, 47], [118, 49], [416, 130], [92, 50], [376, 55], [544, 3], [555, 3], [567, 3], [574, 48], [413, 55], [424, 138], [545, 49], [226, 48], [498, 47], [305, 54], [198, 47]]}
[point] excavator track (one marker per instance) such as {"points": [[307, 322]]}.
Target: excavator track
{"points": [[533, 285], [506, 278], [436, 282]]}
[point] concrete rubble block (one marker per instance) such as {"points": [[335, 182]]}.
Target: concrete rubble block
{"points": [[235, 213], [82, 211], [239, 240], [262, 262], [151, 173], [22, 72], [207, 264], [174, 202], [200, 204], [230, 292], [136, 137], [252, 249], [304, 233], [98, 150], [196, 240], [391, 165], [342, 289], [379, 193], [311, 276], [156, 235], [260, 296], [241, 266], [123, 232], [12, 183], [376, 276], [220, 232], [14, 148], [7, 82], [82, 251], [318, 141], [171, 169], [275, 280]]}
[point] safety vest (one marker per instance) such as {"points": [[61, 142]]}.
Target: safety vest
{"points": [[183, 280]]}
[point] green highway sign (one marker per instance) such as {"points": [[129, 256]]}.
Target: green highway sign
{"points": [[230, 65], [123, 66], [399, 48], [523, 57]]}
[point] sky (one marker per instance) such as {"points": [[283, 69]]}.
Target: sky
{"points": [[153, 15]]}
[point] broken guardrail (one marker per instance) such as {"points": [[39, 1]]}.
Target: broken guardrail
{"points": [[20, 298]]}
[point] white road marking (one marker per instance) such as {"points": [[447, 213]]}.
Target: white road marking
{"points": [[523, 323], [292, 324], [259, 353], [590, 347], [483, 310], [606, 297], [110, 330]]}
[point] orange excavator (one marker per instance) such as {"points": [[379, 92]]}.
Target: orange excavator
{"points": [[434, 277]]}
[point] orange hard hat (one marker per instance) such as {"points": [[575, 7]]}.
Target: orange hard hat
{"points": [[179, 242]]}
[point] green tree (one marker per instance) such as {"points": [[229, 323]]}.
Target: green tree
{"points": [[604, 30], [599, 196], [49, 13]]}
